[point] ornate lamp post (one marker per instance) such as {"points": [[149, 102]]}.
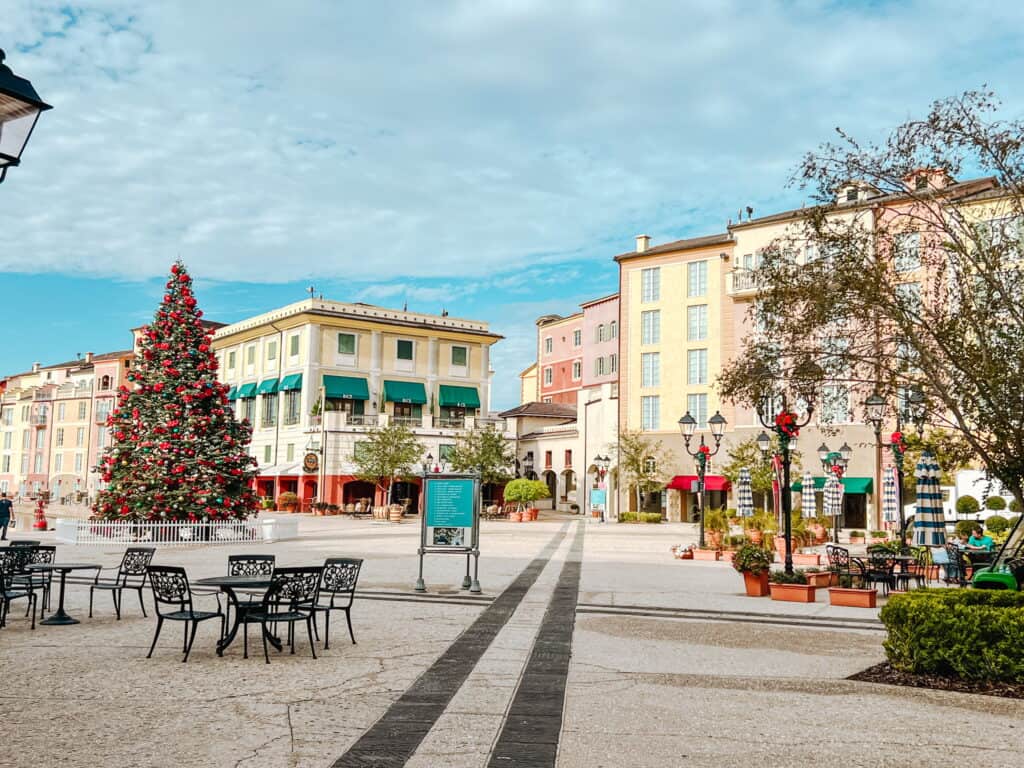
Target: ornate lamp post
{"points": [[687, 426], [602, 463], [20, 107], [835, 462], [876, 408]]}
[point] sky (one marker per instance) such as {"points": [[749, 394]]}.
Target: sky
{"points": [[487, 157]]}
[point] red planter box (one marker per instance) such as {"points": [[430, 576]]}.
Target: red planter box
{"points": [[756, 585], [705, 554], [727, 556], [806, 559], [793, 593], [854, 598], [822, 579]]}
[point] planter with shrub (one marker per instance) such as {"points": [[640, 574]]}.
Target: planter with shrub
{"points": [[523, 493], [846, 595], [754, 563], [716, 525], [650, 517], [757, 525], [288, 501], [856, 537], [627, 517], [800, 558], [818, 577], [706, 554], [790, 587], [266, 503], [879, 537]]}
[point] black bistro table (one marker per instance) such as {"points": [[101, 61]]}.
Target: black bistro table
{"points": [[61, 617], [228, 585]]}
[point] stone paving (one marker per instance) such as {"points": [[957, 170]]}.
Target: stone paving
{"points": [[444, 680]]}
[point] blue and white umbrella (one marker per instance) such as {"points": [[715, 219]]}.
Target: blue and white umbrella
{"points": [[808, 507], [890, 504], [744, 494], [930, 521]]}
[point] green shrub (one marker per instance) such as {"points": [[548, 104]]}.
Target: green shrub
{"points": [[650, 517], [781, 577], [753, 558], [964, 528], [997, 523], [995, 503], [967, 506], [731, 513], [1015, 506], [879, 534], [288, 498], [760, 521], [856, 534], [971, 634], [628, 517], [716, 520]]}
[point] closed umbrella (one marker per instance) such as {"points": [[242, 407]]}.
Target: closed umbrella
{"points": [[930, 521], [890, 505], [833, 502], [744, 494], [807, 506]]}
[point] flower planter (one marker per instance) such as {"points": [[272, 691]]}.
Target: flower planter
{"points": [[727, 556], [821, 579], [395, 513], [792, 593], [856, 539], [531, 513], [854, 598], [801, 559], [595, 513], [714, 539], [820, 534], [756, 537], [876, 540], [515, 517], [756, 584], [705, 554]]}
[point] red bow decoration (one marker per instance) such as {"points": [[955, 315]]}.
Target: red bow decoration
{"points": [[786, 423], [705, 450]]}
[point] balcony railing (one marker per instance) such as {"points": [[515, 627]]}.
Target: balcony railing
{"points": [[452, 422], [39, 421], [408, 421], [361, 419], [742, 281]]}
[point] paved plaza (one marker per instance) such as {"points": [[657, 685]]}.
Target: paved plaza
{"points": [[590, 646]]}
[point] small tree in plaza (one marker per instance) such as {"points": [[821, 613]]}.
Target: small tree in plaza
{"points": [[388, 452], [642, 463], [524, 492], [177, 452], [485, 451]]}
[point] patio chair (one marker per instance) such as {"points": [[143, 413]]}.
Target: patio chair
{"points": [[171, 588], [881, 570], [42, 553], [956, 566], [919, 572], [288, 600], [9, 592], [339, 581], [131, 574], [840, 563], [250, 565]]}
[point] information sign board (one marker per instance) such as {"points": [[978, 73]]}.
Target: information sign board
{"points": [[451, 521]]}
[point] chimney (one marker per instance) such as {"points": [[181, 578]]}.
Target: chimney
{"points": [[642, 243], [35, 367], [88, 357]]}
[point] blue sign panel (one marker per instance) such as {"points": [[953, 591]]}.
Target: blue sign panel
{"points": [[450, 503], [597, 497]]}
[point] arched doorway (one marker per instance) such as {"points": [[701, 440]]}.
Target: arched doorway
{"points": [[551, 480], [569, 493], [358, 490], [407, 494]]}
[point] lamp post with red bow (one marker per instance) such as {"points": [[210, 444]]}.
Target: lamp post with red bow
{"points": [[688, 425], [913, 409]]}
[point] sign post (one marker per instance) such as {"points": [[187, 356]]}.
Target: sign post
{"points": [[451, 522]]}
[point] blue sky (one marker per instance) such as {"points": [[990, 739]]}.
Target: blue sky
{"points": [[485, 157]]}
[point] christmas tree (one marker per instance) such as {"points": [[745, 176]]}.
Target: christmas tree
{"points": [[177, 452]]}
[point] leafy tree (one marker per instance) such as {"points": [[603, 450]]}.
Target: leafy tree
{"points": [[748, 454], [177, 452], [485, 451], [642, 462], [967, 506], [951, 451], [955, 342], [388, 453], [523, 491]]}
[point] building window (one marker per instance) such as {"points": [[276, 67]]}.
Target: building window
{"points": [[6, 468], [460, 357], [614, 326], [231, 367], [347, 344], [577, 336], [80, 437], [568, 457], [40, 442], [24, 464], [650, 326], [921, 183], [650, 413], [835, 404], [547, 459], [38, 466], [269, 415], [907, 256], [549, 377], [650, 284], [909, 296], [60, 438], [60, 412], [697, 405], [650, 369], [599, 336], [292, 399], [547, 400], [272, 350], [599, 366], [250, 355], [7, 440], [7, 416], [293, 346], [577, 370], [697, 278], [58, 462], [549, 345], [81, 410], [290, 452], [697, 322], [404, 349], [697, 366], [101, 437], [851, 195], [266, 454], [613, 363], [249, 409], [78, 462]]}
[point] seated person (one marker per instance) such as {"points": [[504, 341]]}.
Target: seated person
{"points": [[979, 541]]}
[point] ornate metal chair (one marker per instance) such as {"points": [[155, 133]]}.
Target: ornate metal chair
{"points": [[288, 600], [171, 589], [840, 563], [339, 581], [250, 565], [40, 553], [881, 570], [131, 574], [955, 567], [9, 591]]}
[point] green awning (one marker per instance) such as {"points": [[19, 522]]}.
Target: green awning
{"points": [[232, 394], [267, 387], [459, 397], [246, 390], [850, 484], [346, 387], [405, 392], [291, 382]]}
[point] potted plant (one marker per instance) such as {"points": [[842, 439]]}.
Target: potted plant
{"points": [[266, 503], [734, 518], [716, 525], [846, 594], [706, 554], [757, 525], [879, 537], [732, 544], [818, 577], [805, 558], [754, 563], [856, 537], [523, 492], [288, 501], [790, 587]]}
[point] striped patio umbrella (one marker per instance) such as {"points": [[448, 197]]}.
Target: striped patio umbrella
{"points": [[930, 521], [833, 497], [807, 506], [890, 505], [744, 494]]}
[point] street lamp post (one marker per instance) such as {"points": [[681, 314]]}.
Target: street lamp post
{"points": [[20, 107], [602, 463], [876, 408], [687, 426], [835, 462]]}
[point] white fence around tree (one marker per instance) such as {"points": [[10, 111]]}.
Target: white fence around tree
{"points": [[176, 534]]}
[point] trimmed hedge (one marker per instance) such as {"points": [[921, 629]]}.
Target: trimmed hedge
{"points": [[969, 634]]}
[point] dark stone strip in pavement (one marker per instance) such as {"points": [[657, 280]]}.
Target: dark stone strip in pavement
{"points": [[530, 733], [392, 740]]}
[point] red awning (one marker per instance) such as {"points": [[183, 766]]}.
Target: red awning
{"points": [[711, 482]]}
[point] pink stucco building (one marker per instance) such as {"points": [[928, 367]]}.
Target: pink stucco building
{"points": [[601, 340]]}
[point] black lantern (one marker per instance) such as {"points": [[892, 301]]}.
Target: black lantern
{"points": [[20, 107]]}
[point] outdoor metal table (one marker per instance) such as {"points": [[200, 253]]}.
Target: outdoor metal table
{"points": [[228, 585], [61, 617]]}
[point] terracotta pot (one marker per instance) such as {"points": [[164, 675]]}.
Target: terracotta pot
{"points": [[756, 584], [876, 540], [714, 539], [801, 559], [756, 537], [727, 556], [856, 539], [705, 554], [780, 546], [515, 517], [792, 593], [531, 513], [821, 579], [595, 513], [820, 534], [854, 598]]}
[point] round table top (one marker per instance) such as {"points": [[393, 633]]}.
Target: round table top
{"points": [[234, 581], [62, 566]]}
